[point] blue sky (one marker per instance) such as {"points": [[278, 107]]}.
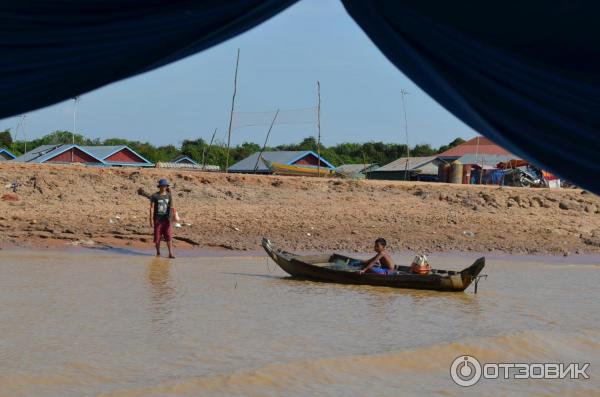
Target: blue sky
{"points": [[280, 62]]}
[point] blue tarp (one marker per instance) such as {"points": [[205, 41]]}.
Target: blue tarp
{"points": [[524, 74]]}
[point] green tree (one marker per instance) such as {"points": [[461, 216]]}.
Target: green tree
{"points": [[194, 148], [246, 149], [422, 150], [6, 140], [452, 144], [63, 137]]}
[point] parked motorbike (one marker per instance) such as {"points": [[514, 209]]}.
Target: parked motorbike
{"points": [[524, 177]]}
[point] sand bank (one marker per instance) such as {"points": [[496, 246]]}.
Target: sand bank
{"points": [[83, 206]]}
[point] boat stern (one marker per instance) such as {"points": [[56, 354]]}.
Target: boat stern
{"points": [[472, 273]]}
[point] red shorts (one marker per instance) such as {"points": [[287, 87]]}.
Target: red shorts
{"points": [[162, 228]]}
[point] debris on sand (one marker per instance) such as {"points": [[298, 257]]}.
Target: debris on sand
{"points": [[10, 197]]}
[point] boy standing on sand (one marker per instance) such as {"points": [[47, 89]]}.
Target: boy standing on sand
{"points": [[161, 204]]}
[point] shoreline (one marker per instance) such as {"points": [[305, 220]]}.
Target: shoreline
{"points": [[208, 252], [73, 205]]}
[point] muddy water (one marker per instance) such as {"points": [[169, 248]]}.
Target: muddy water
{"points": [[106, 324]]}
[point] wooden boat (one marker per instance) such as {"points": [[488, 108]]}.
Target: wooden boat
{"points": [[297, 170], [326, 268]]}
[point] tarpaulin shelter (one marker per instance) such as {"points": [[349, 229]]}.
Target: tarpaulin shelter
{"points": [[525, 74], [411, 168], [514, 163]]}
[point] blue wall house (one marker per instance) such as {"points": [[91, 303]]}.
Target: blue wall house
{"points": [[183, 159], [6, 155]]}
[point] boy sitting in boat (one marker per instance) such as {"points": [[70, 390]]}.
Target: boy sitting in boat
{"points": [[381, 263]]}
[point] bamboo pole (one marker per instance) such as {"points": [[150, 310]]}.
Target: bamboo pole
{"points": [[318, 128], [19, 133], [404, 93], [232, 108], [205, 152], [25, 131], [266, 139], [75, 100]]}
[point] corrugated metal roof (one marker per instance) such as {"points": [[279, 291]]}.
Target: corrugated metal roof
{"points": [[182, 157], [34, 155], [46, 152], [102, 152], [485, 159], [42, 153], [414, 163], [354, 168], [479, 145], [283, 157]]}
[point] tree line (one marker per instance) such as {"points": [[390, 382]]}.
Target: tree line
{"points": [[202, 151]]}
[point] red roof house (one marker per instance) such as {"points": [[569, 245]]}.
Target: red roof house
{"points": [[92, 155], [118, 156], [477, 145]]}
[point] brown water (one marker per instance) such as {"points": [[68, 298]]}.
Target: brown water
{"points": [[105, 324]]}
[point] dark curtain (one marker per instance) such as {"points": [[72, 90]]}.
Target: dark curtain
{"points": [[522, 73], [53, 50], [525, 74]]}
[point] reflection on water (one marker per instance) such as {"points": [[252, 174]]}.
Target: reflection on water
{"points": [[99, 323], [162, 294]]}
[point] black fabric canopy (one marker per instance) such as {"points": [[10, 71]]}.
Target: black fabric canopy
{"points": [[522, 73], [525, 74], [54, 50]]}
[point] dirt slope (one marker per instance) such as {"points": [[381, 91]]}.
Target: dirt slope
{"points": [[93, 206]]}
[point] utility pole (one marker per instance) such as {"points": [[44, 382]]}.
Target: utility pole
{"points": [[75, 100], [404, 93], [237, 62], [318, 128]]}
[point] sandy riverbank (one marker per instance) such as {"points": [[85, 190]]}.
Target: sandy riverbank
{"points": [[73, 205]]}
